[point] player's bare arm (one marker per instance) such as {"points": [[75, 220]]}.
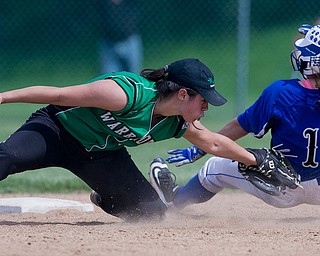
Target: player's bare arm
{"points": [[105, 94], [233, 130], [217, 144]]}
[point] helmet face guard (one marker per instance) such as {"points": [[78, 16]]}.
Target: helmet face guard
{"points": [[294, 56], [307, 66], [306, 58]]}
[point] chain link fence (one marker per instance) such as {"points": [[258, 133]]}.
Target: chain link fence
{"points": [[57, 42]]}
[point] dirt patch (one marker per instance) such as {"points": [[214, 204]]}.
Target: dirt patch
{"points": [[228, 224]]}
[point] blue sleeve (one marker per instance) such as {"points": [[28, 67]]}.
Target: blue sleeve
{"points": [[257, 119]]}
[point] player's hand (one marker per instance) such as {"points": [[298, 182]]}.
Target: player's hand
{"points": [[185, 156]]}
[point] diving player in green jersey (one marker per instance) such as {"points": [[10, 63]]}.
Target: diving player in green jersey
{"points": [[86, 129]]}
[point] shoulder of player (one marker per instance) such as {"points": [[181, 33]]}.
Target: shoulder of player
{"points": [[281, 86], [132, 79]]}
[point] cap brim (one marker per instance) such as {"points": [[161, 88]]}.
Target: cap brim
{"points": [[306, 48], [302, 43], [214, 98]]}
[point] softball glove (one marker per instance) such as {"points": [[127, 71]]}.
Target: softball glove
{"points": [[273, 174]]}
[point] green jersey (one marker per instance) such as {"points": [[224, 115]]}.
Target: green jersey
{"points": [[99, 129]]}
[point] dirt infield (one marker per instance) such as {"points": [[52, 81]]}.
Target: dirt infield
{"points": [[229, 224]]}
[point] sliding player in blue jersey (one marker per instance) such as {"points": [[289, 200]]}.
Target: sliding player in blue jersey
{"points": [[290, 110]]}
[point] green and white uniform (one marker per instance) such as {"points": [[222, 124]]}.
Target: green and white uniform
{"points": [[91, 143], [98, 129]]}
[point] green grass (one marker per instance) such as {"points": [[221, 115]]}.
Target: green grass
{"points": [[49, 180]]}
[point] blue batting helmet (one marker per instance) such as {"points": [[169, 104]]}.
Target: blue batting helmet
{"points": [[306, 58]]}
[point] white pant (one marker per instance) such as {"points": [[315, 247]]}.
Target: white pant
{"points": [[219, 173]]}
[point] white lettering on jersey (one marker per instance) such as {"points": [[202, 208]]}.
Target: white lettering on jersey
{"points": [[107, 117], [123, 130]]}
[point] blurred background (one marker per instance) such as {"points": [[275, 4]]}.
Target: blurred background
{"points": [[246, 43]]}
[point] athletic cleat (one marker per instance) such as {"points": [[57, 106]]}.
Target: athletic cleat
{"points": [[95, 198], [163, 181]]}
